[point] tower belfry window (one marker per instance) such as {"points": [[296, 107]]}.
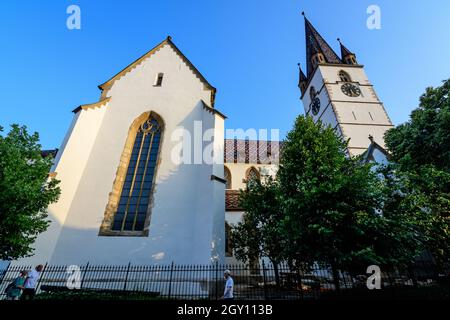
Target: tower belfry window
{"points": [[317, 59], [312, 93], [344, 76]]}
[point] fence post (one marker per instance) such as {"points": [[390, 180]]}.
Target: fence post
{"points": [[170, 280], [264, 279], [40, 278], [126, 277], [217, 280], [84, 275]]}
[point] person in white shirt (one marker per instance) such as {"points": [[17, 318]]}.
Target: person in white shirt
{"points": [[229, 284], [29, 290]]}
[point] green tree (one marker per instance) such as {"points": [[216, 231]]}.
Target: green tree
{"points": [[420, 152], [260, 233], [424, 139], [333, 203], [25, 192]]}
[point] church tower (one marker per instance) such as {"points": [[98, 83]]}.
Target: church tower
{"points": [[336, 91]]}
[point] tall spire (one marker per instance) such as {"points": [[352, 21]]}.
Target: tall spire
{"points": [[317, 46], [346, 55]]}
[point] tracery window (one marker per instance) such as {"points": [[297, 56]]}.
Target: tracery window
{"points": [[139, 180]]}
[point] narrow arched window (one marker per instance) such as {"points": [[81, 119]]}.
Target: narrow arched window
{"points": [[344, 76], [312, 93], [227, 175], [138, 184], [252, 175]]}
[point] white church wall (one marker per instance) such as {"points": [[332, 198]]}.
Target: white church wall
{"points": [[218, 205], [360, 135], [362, 113], [331, 73], [327, 115], [233, 218], [316, 82], [69, 167], [366, 96], [355, 117], [178, 228]]}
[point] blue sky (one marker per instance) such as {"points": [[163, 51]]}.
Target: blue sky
{"points": [[247, 49]]}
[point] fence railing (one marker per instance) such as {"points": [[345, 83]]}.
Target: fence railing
{"points": [[260, 282]]}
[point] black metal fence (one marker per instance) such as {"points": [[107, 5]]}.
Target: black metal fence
{"points": [[260, 282]]}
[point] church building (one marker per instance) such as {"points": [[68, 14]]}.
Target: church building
{"points": [[124, 198]]}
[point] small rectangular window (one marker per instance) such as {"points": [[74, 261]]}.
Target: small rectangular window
{"points": [[159, 79]]}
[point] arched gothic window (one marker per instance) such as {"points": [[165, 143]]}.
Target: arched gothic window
{"points": [[312, 93], [252, 175], [128, 209], [227, 175], [135, 196], [344, 76]]}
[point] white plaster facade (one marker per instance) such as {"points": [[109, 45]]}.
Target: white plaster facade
{"points": [[356, 118], [186, 225]]}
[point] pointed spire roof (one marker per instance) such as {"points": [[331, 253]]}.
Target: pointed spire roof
{"points": [[302, 76], [315, 43], [344, 51]]}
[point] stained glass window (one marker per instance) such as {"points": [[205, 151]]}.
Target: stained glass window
{"points": [[137, 188]]}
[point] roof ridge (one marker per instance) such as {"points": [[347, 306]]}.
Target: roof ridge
{"points": [[168, 41], [315, 42]]}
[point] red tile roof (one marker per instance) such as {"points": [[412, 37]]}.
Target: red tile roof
{"points": [[251, 151]]}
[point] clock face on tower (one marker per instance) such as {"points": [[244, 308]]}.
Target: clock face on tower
{"points": [[315, 106], [351, 90]]}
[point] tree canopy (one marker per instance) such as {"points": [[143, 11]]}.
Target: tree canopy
{"points": [[25, 192], [324, 206], [420, 154]]}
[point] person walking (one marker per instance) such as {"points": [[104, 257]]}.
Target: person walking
{"points": [[14, 289], [29, 290], [229, 285]]}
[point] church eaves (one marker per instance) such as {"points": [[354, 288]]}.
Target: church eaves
{"points": [[168, 41]]}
